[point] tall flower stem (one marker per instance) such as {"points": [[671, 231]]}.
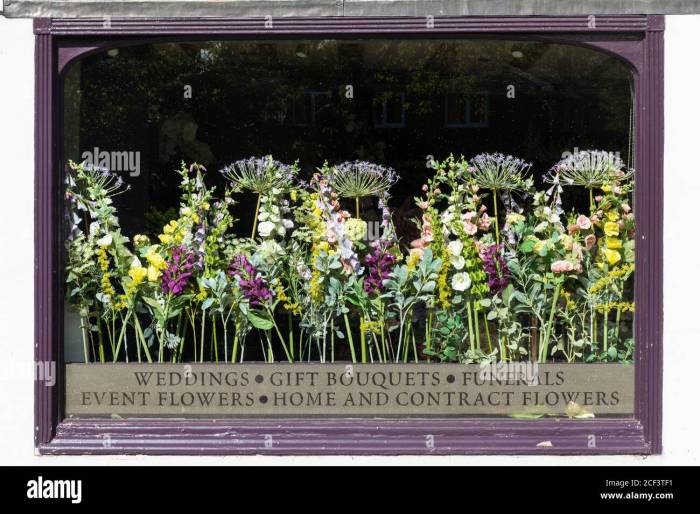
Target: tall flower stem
{"points": [[550, 322], [255, 219], [590, 200], [279, 334], [495, 216], [363, 345], [83, 329], [139, 331], [357, 207], [352, 345], [488, 332]]}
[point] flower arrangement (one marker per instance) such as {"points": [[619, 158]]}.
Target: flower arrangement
{"points": [[500, 271]]}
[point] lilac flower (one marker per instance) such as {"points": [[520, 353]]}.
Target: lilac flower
{"points": [[178, 272], [496, 268], [379, 262], [253, 287]]}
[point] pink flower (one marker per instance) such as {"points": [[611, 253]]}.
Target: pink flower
{"points": [[418, 244], [562, 267], [423, 205], [626, 208], [617, 190], [468, 216], [598, 198], [484, 222], [590, 241], [572, 229], [470, 228], [595, 219], [583, 222], [577, 250], [425, 188], [482, 208]]}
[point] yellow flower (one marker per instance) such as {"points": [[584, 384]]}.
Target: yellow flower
{"points": [[153, 273], [156, 260], [606, 188], [137, 274], [613, 215], [611, 229], [539, 245], [613, 256], [293, 196], [165, 238], [170, 227], [613, 243]]}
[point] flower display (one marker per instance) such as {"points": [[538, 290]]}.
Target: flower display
{"points": [[311, 281]]}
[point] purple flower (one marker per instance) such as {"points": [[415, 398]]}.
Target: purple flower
{"points": [[379, 262], [178, 272], [496, 268], [253, 287]]}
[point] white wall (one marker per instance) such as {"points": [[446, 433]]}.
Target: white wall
{"points": [[681, 256]]}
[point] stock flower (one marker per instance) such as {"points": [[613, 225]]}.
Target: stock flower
{"points": [[562, 267], [461, 281], [611, 229], [457, 262], [583, 222], [589, 240], [265, 228], [178, 271], [455, 248], [249, 280], [612, 256], [379, 263], [495, 266], [613, 243]]}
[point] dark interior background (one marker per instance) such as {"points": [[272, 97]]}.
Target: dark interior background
{"points": [[410, 99]]}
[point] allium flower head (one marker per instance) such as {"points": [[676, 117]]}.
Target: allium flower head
{"points": [[260, 174], [360, 178], [499, 172], [589, 168]]}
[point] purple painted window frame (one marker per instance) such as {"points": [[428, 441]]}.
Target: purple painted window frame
{"points": [[59, 41]]}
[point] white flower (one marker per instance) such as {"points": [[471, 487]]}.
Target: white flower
{"points": [[265, 228], [541, 227], [457, 262], [461, 282], [269, 250], [455, 248], [287, 224], [105, 240]]}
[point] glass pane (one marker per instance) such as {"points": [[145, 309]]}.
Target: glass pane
{"points": [[470, 257]]}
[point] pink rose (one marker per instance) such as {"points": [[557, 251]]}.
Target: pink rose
{"points": [[590, 241], [423, 205], [562, 267], [626, 208], [583, 222]]}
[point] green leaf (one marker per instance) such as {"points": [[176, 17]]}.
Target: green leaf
{"points": [[258, 321], [527, 246]]}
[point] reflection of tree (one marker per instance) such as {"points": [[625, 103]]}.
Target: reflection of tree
{"points": [[243, 93]]}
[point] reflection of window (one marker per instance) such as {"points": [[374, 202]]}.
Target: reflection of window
{"points": [[389, 111], [466, 110], [307, 107]]}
